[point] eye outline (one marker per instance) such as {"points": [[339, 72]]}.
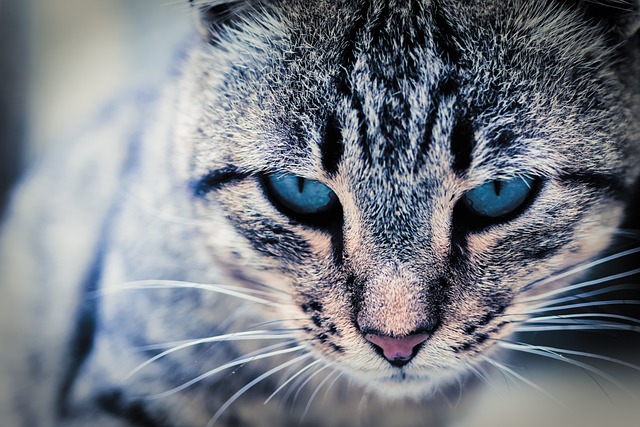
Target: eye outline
{"points": [[466, 217], [324, 219]]}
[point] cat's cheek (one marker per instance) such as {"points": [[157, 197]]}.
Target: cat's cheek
{"points": [[320, 244]]}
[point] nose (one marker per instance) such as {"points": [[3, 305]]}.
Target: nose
{"points": [[398, 350]]}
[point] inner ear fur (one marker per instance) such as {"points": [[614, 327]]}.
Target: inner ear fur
{"points": [[213, 16]]}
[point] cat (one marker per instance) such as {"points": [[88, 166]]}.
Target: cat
{"points": [[331, 202]]}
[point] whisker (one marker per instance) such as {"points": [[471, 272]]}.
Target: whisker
{"points": [[326, 393], [164, 345], [556, 350], [315, 393], [565, 317], [627, 232], [293, 377], [551, 353], [299, 390], [295, 385], [257, 380], [362, 406], [521, 378], [266, 349], [574, 270], [585, 295], [222, 368], [272, 322], [580, 285], [594, 327], [237, 336], [483, 376], [544, 309], [238, 292]]}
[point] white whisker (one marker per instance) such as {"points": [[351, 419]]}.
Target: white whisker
{"points": [[580, 285], [481, 375], [553, 353], [585, 295], [244, 389], [565, 317], [575, 270], [293, 377], [595, 327], [296, 384], [362, 406], [272, 322], [237, 292], [584, 305], [326, 393], [222, 368], [295, 397], [315, 393], [521, 378], [238, 336], [583, 354], [266, 349]]}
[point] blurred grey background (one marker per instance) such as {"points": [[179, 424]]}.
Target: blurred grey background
{"points": [[60, 60]]}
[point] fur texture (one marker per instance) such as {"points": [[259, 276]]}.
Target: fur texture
{"points": [[162, 258]]}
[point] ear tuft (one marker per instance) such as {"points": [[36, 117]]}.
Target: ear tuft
{"points": [[212, 16]]}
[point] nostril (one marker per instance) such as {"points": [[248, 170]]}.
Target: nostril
{"points": [[398, 350]]}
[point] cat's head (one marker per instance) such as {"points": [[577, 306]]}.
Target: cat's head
{"points": [[406, 172]]}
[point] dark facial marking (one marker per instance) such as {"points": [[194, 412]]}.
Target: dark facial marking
{"points": [[470, 328], [480, 338], [443, 37], [317, 320], [217, 179], [337, 239], [322, 338], [336, 348], [609, 183], [343, 85], [504, 140], [488, 317], [462, 145], [332, 329], [447, 87], [312, 306], [332, 147]]}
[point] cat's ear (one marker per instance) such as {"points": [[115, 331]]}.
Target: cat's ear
{"points": [[620, 17], [213, 16]]}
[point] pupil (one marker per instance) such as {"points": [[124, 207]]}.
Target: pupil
{"points": [[300, 184], [497, 187]]}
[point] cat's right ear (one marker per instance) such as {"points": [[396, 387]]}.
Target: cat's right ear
{"points": [[213, 16]]}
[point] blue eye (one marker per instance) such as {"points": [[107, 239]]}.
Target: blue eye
{"points": [[498, 198], [300, 195]]}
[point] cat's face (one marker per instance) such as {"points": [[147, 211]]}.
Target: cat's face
{"points": [[406, 173]]}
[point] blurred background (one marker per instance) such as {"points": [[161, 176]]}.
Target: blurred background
{"points": [[60, 60]]}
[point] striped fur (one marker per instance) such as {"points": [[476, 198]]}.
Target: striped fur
{"points": [[400, 107]]}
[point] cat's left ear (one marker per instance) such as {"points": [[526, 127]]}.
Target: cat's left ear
{"points": [[213, 16]]}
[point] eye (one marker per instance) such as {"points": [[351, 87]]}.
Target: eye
{"points": [[498, 198], [301, 196]]}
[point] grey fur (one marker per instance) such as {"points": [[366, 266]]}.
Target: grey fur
{"points": [[539, 90]]}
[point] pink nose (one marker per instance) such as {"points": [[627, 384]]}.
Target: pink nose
{"points": [[398, 351]]}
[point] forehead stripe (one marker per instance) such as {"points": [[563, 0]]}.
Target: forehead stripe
{"points": [[332, 147], [462, 141]]}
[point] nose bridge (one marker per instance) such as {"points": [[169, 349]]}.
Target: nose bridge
{"points": [[394, 303]]}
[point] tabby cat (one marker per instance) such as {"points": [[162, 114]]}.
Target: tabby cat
{"points": [[342, 208]]}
